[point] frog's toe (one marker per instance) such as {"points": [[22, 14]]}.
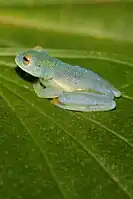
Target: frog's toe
{"points": [[112, 105], [55, 101], [37, 48], [116, 92]]}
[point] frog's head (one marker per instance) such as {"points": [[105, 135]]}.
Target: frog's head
{"points": [[31, 62]]}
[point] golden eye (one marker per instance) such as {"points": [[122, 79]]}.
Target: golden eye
{"points": [[26, 59]]}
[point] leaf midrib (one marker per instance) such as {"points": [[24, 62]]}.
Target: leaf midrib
{"points": [[63, 53]]}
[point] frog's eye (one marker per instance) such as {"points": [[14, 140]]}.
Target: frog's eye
{"points": [[26, 59]]}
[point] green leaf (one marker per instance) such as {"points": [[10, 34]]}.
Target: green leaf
{"points": [[48, 152]]}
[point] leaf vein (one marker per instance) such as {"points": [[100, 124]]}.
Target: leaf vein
{"points": [[92, 120], [108, 129], [52, 172], [89, 152]]}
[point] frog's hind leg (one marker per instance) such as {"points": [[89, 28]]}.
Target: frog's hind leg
{"points": [[46, 92], [57, 102], [85, 102]]}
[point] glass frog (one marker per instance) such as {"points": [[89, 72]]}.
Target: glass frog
{"points": [[70, 87]]}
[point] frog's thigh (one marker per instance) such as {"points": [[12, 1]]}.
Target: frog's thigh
{"points": [[46, 92], [84, 102]]}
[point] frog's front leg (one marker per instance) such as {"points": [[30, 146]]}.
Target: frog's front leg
{"points": [[83, 101], [49, 92]]}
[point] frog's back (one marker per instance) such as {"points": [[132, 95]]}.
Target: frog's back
{"points": [[71, 78], [78, 78]]}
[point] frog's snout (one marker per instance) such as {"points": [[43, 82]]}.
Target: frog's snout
{"points": [[16, 60], [19, 60]]}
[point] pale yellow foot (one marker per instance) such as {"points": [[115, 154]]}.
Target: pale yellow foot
{"points": [[55, 101]]}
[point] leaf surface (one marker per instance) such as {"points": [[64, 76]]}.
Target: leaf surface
{"points": [[48, 152]]}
